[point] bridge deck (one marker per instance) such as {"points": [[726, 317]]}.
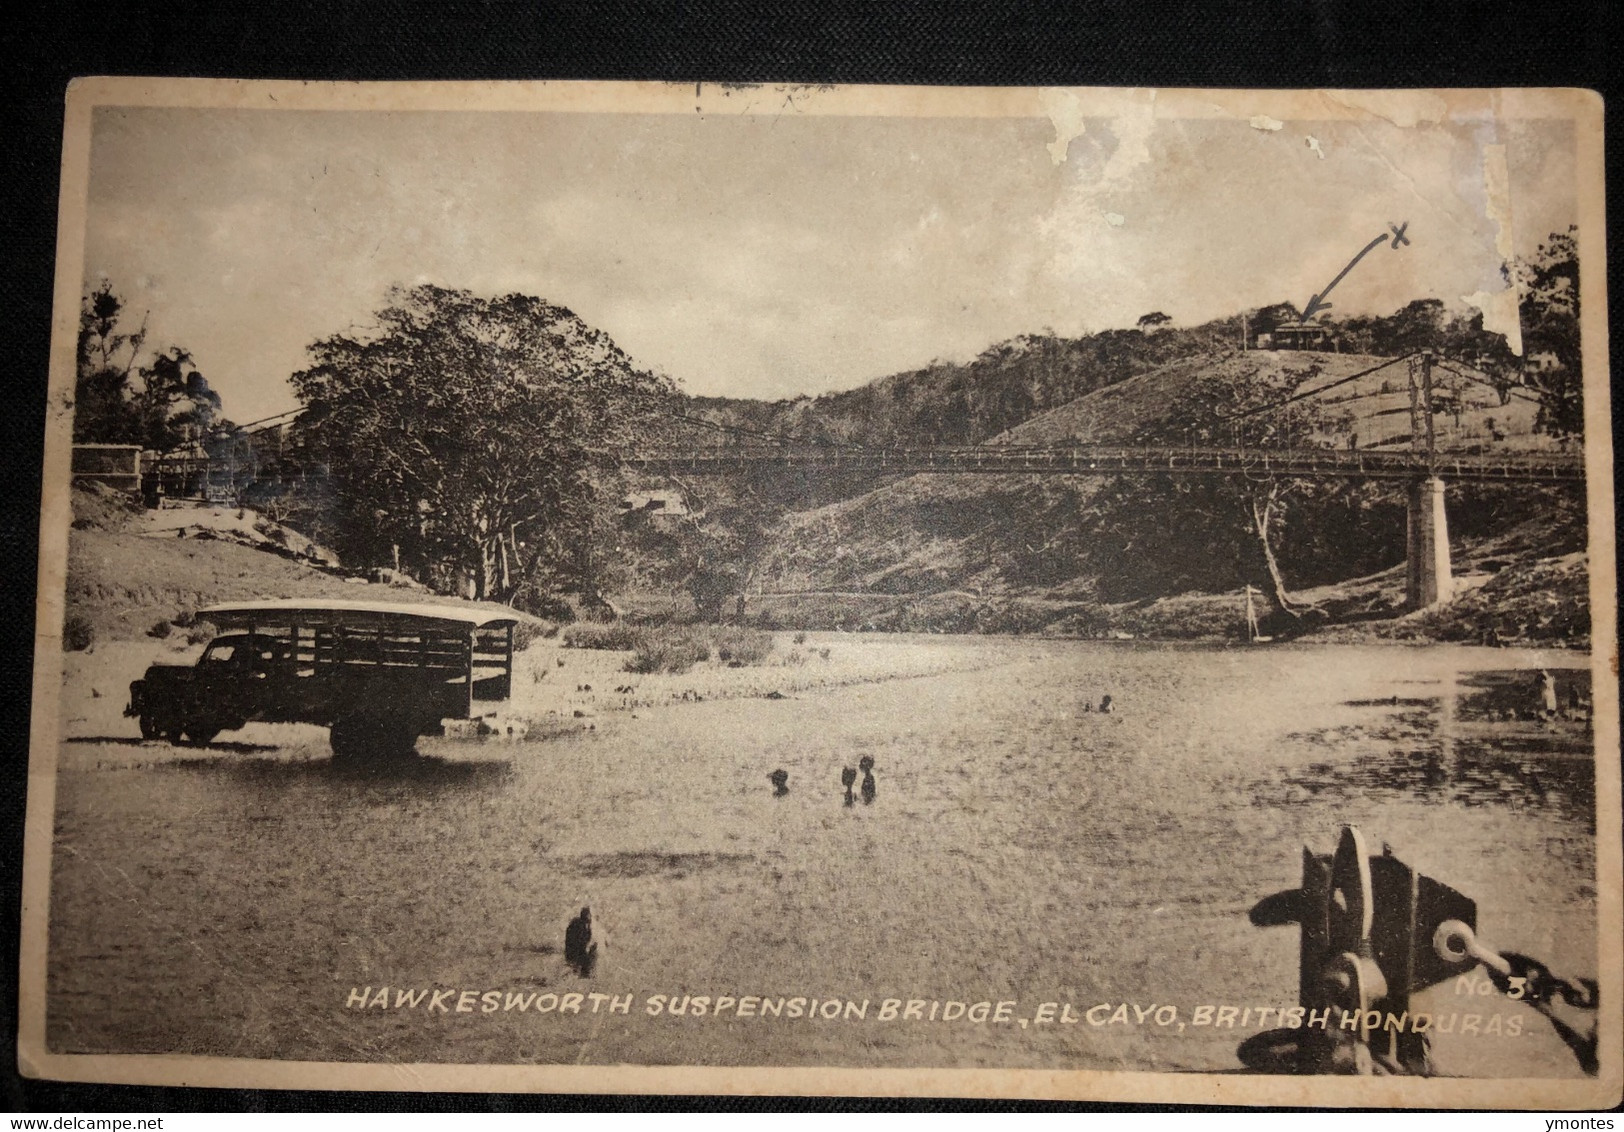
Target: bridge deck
{"points": [[1085, 460]]}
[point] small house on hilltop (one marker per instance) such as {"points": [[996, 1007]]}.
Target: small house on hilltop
{"points": [[1300, 336]]}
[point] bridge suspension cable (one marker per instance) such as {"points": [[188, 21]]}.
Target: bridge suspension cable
{"points": [[1084, 458], [1513, 391], [1300, 396]]}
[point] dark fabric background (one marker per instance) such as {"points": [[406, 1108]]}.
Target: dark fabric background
{"points": [[1292, 43]]}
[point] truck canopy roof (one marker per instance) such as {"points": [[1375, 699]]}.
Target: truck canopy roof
{"points": [[355, 614]]}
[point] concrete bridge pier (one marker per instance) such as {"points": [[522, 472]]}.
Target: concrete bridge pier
{"points": [[1427, 576]]}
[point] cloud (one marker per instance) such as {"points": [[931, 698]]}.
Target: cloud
{"points": [[768, 256], [1074, 224], [1500, 315]]}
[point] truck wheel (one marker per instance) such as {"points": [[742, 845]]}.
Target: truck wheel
{"points": [[355, 738], [166, 729], [149, 727], [402, 739], [201, 734], [345, 739]]}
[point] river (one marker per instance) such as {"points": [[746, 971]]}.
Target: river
{"points": [[1020, 847]]}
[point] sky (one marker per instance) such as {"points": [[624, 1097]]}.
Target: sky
{"points": [[771, 256]]}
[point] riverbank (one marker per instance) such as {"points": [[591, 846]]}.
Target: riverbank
{"points": [[130, 574], [558, 689], [1542, 603]]}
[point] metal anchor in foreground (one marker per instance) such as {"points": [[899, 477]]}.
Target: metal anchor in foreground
{"points": [[1375, 932], [1528, 980]]}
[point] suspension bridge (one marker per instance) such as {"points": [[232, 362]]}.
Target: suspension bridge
{"points": [[1102, 459], [1414, 457], [1422, 433]]}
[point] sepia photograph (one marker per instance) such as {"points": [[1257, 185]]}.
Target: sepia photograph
{"points": [[1067, 593]]}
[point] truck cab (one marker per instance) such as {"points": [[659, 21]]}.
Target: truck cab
{"points": [[194, 703]]}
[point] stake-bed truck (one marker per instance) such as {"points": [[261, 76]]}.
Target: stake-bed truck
{"points": [[378, 675]]}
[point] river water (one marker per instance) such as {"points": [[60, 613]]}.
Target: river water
{"points": [[1018, 848]]}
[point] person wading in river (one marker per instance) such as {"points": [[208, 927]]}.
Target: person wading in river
{"points": [[1547, 693]]}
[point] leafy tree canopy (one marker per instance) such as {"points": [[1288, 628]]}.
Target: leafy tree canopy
{"points": [[160, 404], [1215, 532], [466, 431], [1548, 307]]}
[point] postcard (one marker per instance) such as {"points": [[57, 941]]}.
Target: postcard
{"points": [[651, 588]]}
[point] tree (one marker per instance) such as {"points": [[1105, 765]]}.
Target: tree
{"points": [[1153, 320], [465, 432], [1266, 319], [174, 402], [1548, 308], [171, 402], [1246, 411], [105, 359]]}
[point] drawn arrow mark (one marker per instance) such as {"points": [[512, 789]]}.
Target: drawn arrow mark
{"points": [[1317, 303]]}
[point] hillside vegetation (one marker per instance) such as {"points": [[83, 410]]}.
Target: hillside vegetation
{"points": [[962, 403], [1012, 382], [1135, 555], [1142, 554], [1371, 411]]}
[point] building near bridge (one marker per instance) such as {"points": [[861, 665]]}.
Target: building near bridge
{"points": [[116, 465]]}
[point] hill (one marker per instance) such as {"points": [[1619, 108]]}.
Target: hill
{"points": [[952, 403], [1012, 382], [1095, 555], [1027, 552], [1373, 409]]}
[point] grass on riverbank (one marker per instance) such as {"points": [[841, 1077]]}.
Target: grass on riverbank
{"points": [[673, 648]]}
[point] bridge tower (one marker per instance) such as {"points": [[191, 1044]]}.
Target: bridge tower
{"points": [[1428, 579]]}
